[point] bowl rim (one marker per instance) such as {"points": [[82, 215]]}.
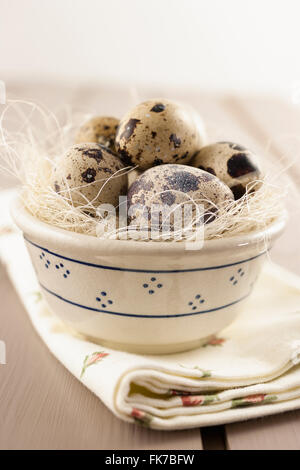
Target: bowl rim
{"points": [[56, 235]]}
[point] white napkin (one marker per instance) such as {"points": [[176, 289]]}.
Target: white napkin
{"points": [[249, 370]]}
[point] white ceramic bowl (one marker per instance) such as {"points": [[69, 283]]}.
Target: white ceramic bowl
{"points": [[146, 297]]}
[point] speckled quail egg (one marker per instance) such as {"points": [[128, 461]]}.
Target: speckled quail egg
{"points": [[85, 174], [234, 164], [157, 132], [99, 129], [171, 185]]}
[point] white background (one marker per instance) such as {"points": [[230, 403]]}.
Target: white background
{"points": [[240, 45]]}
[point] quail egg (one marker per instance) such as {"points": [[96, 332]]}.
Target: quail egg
{"points": [[157, 132], [173, 186], [234, 164], [87, 173], [99, 129]]}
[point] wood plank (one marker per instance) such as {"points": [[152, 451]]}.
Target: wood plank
{"points": [[266, 121], [136, 437], [278, 432]]}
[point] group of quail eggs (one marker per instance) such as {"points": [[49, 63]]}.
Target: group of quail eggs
{"points": [[164, 147]]}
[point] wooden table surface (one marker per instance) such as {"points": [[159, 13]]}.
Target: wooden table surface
{"points": [[42, 406]]}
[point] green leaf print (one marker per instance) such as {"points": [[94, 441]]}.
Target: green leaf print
{"points": [[38, 296]]}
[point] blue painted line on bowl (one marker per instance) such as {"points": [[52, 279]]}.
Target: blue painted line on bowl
{"points": [[141, 316], [165, 271]]}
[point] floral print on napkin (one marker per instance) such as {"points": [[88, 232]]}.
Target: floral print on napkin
{"points": [[92, 359], [194, 400], [141, 417], [253, 400], [214, 341]]}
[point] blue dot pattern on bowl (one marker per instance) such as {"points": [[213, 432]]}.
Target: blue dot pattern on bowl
{"points": [[47, 264], [197, 300], [235, 279], [46, 261], [100, 299], [152, 285]]}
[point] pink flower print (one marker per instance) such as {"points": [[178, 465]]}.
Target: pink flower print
{"points": [[192, 400], [95, 357], [214, 341], [138, 414], [255, 398], [92, 359], [141, 417]]}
